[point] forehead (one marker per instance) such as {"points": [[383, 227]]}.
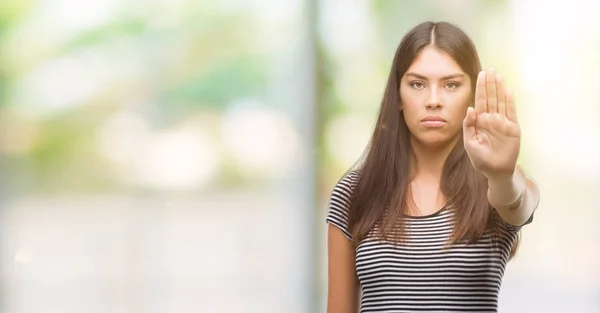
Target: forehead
{"points": [[432, 62]]}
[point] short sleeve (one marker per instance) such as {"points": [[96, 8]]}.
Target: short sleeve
{"points": [[513, 228], [339, 203]]}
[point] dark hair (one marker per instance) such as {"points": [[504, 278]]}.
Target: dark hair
{"points": [[385, 171]]}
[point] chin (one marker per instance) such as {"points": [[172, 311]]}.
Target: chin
{"points": [[435, 141]]}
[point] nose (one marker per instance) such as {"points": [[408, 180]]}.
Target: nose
{"points": [[434, 101]]}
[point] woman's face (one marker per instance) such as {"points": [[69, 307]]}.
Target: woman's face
{"points": [[435, 94]]}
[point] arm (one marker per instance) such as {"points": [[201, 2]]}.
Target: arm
{"points": [[514, 197], [343, 287], [492, 139]]}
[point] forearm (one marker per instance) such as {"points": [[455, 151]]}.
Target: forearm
{"points": [[514, 197]]}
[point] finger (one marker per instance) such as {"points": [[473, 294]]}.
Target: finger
{"points": [[511, 110], [501, 91], [480, 94], [490, 88], [469, 122]]}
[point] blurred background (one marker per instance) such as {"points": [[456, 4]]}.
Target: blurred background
{"points": [[178, 155]]}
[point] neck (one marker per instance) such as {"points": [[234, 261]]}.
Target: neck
{"points": [[428, 161]]}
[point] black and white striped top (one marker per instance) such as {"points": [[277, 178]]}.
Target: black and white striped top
{"points": [[422, 275]]}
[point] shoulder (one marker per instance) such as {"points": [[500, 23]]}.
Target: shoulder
{"points": [[339, 202], [345, 186]]}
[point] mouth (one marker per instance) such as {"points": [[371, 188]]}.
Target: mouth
{"points": [[433, 121]]}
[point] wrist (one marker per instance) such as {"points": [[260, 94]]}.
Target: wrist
{"points": [[502, 178]]}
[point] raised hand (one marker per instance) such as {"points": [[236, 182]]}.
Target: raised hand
{"points": [[492, 135]]}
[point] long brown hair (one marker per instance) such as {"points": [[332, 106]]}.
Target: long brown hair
{"points": [[383, 184]]}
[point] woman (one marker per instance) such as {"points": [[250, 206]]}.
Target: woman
{"points": [[429, 219]]}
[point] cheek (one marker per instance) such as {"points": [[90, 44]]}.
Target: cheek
{"points": [[411, 113], [411, 102], [458, 104]]}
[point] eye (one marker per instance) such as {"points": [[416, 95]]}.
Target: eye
{"points": [[417, 85], [452, 85]]}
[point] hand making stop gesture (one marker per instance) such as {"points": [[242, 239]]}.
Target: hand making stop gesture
{"points": [[492, 135]]}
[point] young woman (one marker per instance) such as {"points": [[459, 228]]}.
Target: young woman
{"points": [[429, 219]]}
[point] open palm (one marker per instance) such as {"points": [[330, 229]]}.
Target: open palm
{"points": [[492, 135]]}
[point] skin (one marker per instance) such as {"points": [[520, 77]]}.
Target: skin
{"points": [[434, 85], [343, 292]]}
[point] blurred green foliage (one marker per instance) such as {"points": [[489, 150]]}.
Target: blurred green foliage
{"points": [[201, 61]]}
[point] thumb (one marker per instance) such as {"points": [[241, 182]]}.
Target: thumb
{"points": [[469, 123]]}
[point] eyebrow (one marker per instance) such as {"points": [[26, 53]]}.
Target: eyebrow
{"points": [[419, 76]]}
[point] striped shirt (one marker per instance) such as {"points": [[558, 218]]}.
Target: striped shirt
{"points": [[423, 274]]}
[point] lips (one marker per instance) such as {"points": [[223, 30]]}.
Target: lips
{"points": [[433, 119]]}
